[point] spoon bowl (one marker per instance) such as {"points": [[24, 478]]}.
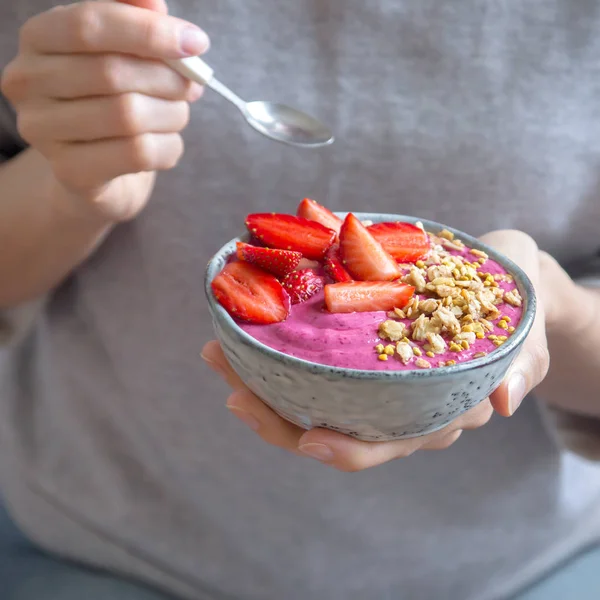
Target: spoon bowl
{"points": [[286, 124]]}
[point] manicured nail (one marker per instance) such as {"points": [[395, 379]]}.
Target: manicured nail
{"points": [[319, 451], [244, 416], [195, 92], [516, 392], [216, 367], [193, 41]]}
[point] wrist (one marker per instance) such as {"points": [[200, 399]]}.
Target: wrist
{"points": [[117, 201], [576, 307], [74, 209], [70, 210], [569, 307]]}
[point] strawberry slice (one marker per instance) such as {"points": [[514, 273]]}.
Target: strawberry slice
{"points": [[301, 285], [404, 241], [362, 255], [278, 262], [251, 294], [291, 233], [367, 296], [310, 209], [332, 264]]}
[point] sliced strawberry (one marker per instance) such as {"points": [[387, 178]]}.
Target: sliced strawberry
{"points": [[367, 296], [362, 255], [309, 209], [332, 263], [291, 233], [278, 262], [306, 263], [251, 294], [404, 241], [301, 285]]}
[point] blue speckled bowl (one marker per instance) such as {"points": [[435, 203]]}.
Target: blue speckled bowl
{"points": [[368, 405]]}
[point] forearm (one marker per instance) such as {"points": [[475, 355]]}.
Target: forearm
{"points": [[42, 237], [573, 382]]}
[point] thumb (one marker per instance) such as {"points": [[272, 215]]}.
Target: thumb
{"points": [[527, 372], [532, 363], [159, 6]]}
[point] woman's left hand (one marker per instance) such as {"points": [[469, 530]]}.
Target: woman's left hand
{"points": [[348, 454]]}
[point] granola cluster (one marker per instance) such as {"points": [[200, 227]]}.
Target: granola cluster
{"points": [[456, 302]]}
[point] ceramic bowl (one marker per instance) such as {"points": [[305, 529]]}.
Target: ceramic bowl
{"points": [[368, 405]]}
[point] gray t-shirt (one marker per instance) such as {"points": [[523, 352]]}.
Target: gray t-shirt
{"points": [[115, 445]]}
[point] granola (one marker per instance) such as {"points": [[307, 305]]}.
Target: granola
{"points": [[447, 320], [429, 306], [392, 330], [422, 326], [405, 352], [422, 363], [435, 343], [513, 298], [416, 278], [457, 303]]}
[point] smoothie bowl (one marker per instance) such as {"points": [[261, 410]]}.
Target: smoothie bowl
{"points": [[378, 326]]}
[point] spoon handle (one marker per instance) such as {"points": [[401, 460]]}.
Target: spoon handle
{"points": [[193, 68], [197, 70]]}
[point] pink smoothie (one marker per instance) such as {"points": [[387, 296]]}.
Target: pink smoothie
{"points": [[348, 340]]}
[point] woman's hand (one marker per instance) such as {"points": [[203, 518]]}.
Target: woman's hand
{"points": [[348, 454], [533, 362], [330, 447], [94, 97]]}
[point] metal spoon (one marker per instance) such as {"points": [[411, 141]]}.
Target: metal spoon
{"points": [[276, 121]]}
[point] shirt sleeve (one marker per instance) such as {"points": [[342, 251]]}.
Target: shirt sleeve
{"points": [[16, 322], [11, 142], [579, 434], [586, 272]]}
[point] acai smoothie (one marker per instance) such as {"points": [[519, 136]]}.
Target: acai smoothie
{"points": [[388, 296]]}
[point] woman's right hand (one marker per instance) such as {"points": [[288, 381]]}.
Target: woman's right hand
{"points": [[94, 97]]}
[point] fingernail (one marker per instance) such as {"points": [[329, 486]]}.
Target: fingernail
{"points": [[244, 416], [195, 92], [516, 392], [213, 365], [193, 41], [318, 451]]}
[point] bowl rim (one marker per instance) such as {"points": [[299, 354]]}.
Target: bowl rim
{"points": [[523, 282]]}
